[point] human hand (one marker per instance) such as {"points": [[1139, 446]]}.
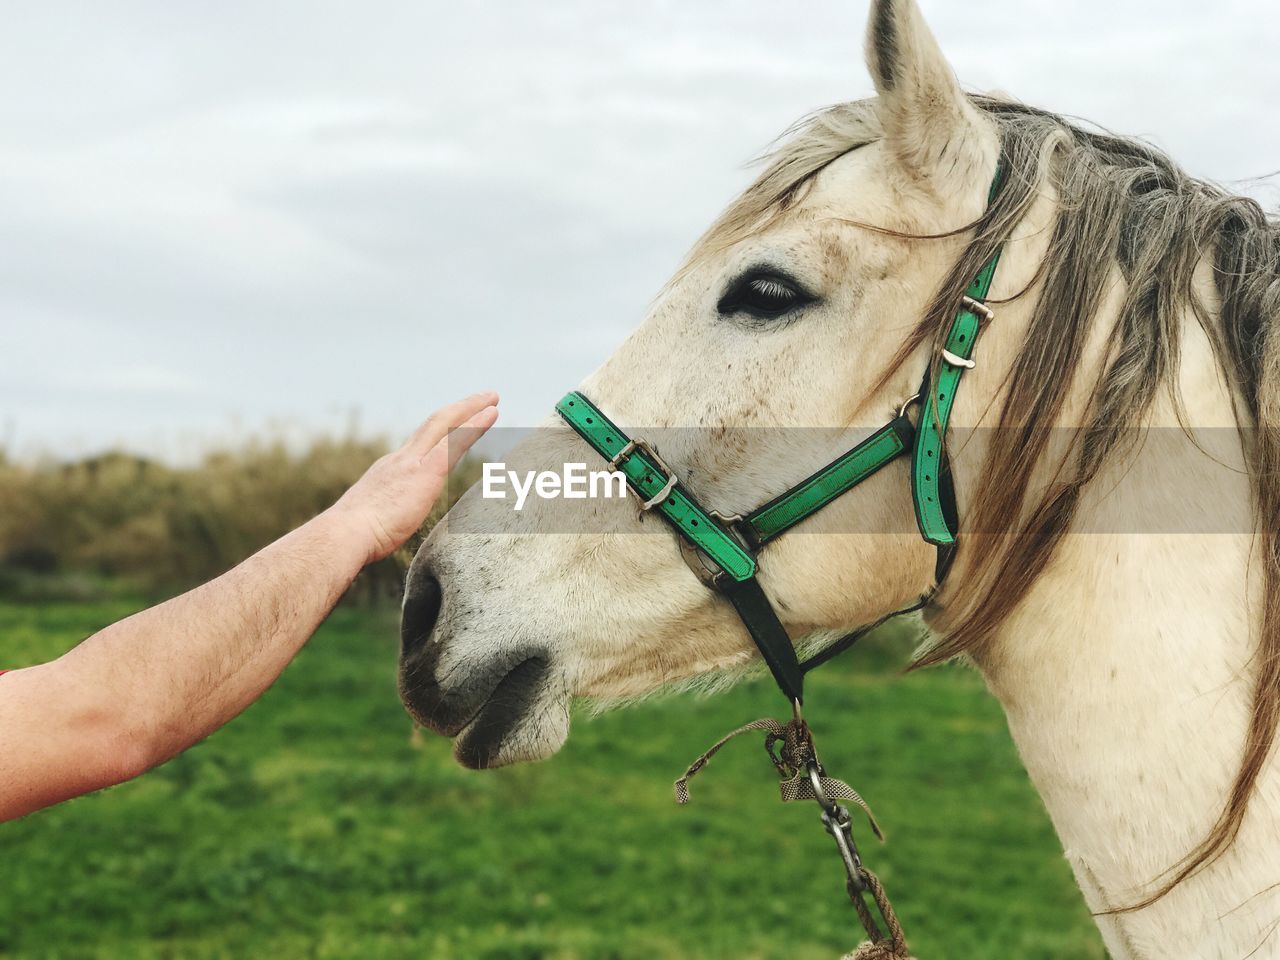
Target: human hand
{"points": [[389, 503]]}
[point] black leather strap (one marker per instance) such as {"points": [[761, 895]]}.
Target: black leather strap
{"points": [[757, 613], [849, 639]]}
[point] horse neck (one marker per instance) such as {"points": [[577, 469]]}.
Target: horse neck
{"points": [[1125, 679]]}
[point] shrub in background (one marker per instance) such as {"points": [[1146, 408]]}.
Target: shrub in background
{"points": [[118, 523]]}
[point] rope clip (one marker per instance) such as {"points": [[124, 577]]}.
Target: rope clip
{"points": [[839, 824]]}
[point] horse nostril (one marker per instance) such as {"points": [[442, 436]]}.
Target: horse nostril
{"points": [[418, 618]]}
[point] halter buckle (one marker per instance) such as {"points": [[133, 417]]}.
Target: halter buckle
{"points": [[662, 494], [639, 443], [958, 361], [630, 447], [702, 566], [726, 520], [978, 307]]}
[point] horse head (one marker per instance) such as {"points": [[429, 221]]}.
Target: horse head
{"points": [[789, 313]]}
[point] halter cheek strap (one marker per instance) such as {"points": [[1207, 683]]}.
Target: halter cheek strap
{"points": [[731, 545], [930, 475]]}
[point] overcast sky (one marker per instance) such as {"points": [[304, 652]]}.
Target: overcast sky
{"points": [[217, 218]]}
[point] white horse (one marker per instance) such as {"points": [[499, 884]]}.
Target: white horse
{"points": [[1138, 663]]}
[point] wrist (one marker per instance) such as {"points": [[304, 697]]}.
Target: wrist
{"points": [[349, 536]]}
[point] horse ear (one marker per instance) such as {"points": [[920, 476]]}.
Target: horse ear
{"points": [[928, 122]]}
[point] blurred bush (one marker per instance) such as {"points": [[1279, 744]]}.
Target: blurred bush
{"points": [[118, 523]]}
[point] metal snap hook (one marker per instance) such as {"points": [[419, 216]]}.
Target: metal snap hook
{"points": [[820, 792], [839, 825]]}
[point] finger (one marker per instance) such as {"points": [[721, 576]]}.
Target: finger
{"points": [[464, 437], [444, 456], [448, 417]]}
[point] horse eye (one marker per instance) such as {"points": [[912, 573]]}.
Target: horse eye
{"points": [[763, 295]]}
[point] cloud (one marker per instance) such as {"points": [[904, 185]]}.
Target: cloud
{"points": [[240, 214]]}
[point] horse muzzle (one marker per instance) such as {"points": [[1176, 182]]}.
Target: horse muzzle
{"points": [[500, 707]]}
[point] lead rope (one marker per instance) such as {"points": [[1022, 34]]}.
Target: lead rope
{"points": [[803, 778]]}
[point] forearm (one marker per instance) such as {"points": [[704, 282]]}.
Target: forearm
{"points": [[140, 691], [180, 670]]}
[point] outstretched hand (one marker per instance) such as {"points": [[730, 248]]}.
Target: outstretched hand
{"points": [[141, 690], [389, 503]]}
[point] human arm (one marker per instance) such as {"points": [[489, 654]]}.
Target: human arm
{"points": [[142, 690]]}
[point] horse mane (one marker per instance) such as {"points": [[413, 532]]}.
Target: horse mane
{"points": [[1122, 203]]}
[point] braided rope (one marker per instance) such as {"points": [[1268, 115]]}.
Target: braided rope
{"points": [[880, 946]]}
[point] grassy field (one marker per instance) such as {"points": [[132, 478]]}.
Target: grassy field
{"points": [[314, 826]]}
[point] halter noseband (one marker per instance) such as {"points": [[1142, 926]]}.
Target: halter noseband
{"points": [[732, 543]]}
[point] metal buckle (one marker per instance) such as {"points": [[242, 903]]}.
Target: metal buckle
{"points": [[978, 307], [639, 443], [661, 494], [628, 448], [702, 566], [958, 361], [983, 311], [726, 520]]}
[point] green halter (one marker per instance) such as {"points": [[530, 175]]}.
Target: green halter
{"points": [[732, 544]]}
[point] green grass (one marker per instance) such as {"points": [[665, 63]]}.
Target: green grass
{"points": [[314, 826]]}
